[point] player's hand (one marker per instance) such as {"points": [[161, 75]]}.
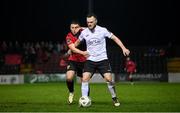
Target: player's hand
{"points": [[126, 52], [86, 54]]}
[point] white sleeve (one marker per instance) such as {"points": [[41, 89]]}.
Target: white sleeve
{"points": [[107, 33], [81, 37]]}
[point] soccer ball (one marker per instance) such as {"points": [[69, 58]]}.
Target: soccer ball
{"points": [[85, 101]]}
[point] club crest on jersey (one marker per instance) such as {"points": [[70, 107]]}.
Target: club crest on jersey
{"points": [[68, 41]]}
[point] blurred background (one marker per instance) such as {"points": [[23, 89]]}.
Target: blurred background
{"points": [[32, 35]]}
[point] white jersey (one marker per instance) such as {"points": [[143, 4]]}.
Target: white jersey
{"points": [[96, 43]]}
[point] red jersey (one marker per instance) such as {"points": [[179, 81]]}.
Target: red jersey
{"points": [[130, 66], [70, 38]]}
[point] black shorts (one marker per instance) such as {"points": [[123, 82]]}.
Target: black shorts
{"points": [[76, 66], [101, 66]]}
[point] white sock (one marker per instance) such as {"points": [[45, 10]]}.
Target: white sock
{"points": [[84, 88], [111, 88]]}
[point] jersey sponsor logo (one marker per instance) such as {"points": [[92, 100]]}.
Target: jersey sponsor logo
{"points": [[94, 42], [87, 35]]}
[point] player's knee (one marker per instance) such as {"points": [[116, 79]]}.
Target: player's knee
{"points": [[108, 77], [69, 78], [70, 75], [86, 77]]}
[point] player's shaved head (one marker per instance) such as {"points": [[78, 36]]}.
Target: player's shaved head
{"points": [[91, 15], [91, 21]]}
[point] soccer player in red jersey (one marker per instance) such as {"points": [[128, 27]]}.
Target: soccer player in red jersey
{"points": [[130, 68], [75, 60]]}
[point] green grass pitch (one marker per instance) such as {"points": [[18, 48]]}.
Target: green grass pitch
{"points": [[52, 97]]}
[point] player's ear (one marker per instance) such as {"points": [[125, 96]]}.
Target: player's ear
{"points": [[96, 21]]}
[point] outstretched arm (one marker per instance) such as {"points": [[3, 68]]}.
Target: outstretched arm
{"points": [[126, 51]]}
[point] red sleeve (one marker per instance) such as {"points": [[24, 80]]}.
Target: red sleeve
{"points": [[69, 39]]}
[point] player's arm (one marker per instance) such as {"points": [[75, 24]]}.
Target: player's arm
{"points": [[75, 45], [73, 48], [120, 44], [77, 42]]}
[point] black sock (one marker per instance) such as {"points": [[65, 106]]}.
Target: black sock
{"points": [[89, 91], [70, 85]]}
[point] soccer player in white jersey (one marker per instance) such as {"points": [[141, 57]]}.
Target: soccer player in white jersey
{"points": [[97, 59]]}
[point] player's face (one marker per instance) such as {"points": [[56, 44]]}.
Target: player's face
{"points": [[91, 22], [74, 28]]}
